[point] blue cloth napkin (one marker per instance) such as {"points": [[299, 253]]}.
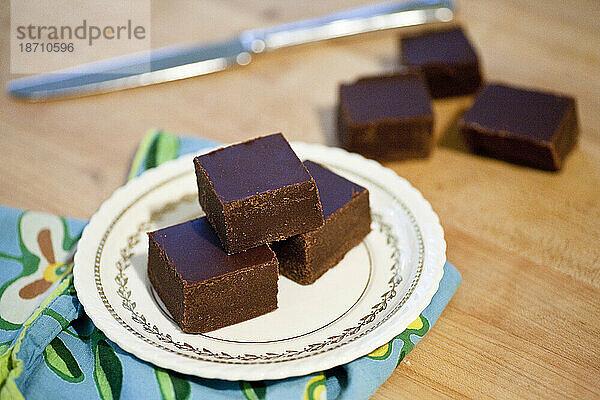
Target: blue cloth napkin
{"points": [[50, 349]]}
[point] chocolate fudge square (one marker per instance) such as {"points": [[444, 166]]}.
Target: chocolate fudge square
{"points": [[446, 58], [304, 258], [386, 117], [522, 126], [202, 286], [257, 192]]}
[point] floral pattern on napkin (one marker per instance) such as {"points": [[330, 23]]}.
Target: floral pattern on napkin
{"points": [[50, 349]]}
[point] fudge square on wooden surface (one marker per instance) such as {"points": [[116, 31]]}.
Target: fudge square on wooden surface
{"points": [[257, 192], [304, 258], [446, 58], [522, 126], [386, 117], [202, 286]]}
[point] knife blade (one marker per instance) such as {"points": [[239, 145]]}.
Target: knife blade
{"points": [[180, 62]]}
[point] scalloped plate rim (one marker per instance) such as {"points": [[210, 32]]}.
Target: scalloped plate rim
{"points": [[428, 222]]}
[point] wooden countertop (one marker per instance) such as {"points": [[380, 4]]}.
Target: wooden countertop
{"points": [[526, 320]]}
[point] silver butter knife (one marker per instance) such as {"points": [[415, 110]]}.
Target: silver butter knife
{"points": [[180, 62]]}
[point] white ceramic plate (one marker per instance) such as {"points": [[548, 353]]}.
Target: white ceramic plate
{"points": [[373, 294]]}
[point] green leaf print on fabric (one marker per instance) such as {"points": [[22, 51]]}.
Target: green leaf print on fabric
{"points": [[64, 323], [108, 370], [254, 390], [418, 327], [382, 353], [172, 387], [68, 241], [315, 388], [30, 263], [46, 250], [11, 366], [140, 155], [4, 346], [79, 329], [163, 148], [60, 361]]}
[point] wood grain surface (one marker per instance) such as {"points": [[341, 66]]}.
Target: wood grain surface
{"points": [[526, 321]]}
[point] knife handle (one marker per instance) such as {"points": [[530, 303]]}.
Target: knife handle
{"points": [[349, 22]]}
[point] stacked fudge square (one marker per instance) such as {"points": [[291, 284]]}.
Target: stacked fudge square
{"points": [[266, 213]]}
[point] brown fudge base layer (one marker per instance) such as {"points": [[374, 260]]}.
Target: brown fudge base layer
{"points": [[387, 140], [546, 155], [305, 258], [167, 283], [200, 307], [263, 218], [232, 299]]}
